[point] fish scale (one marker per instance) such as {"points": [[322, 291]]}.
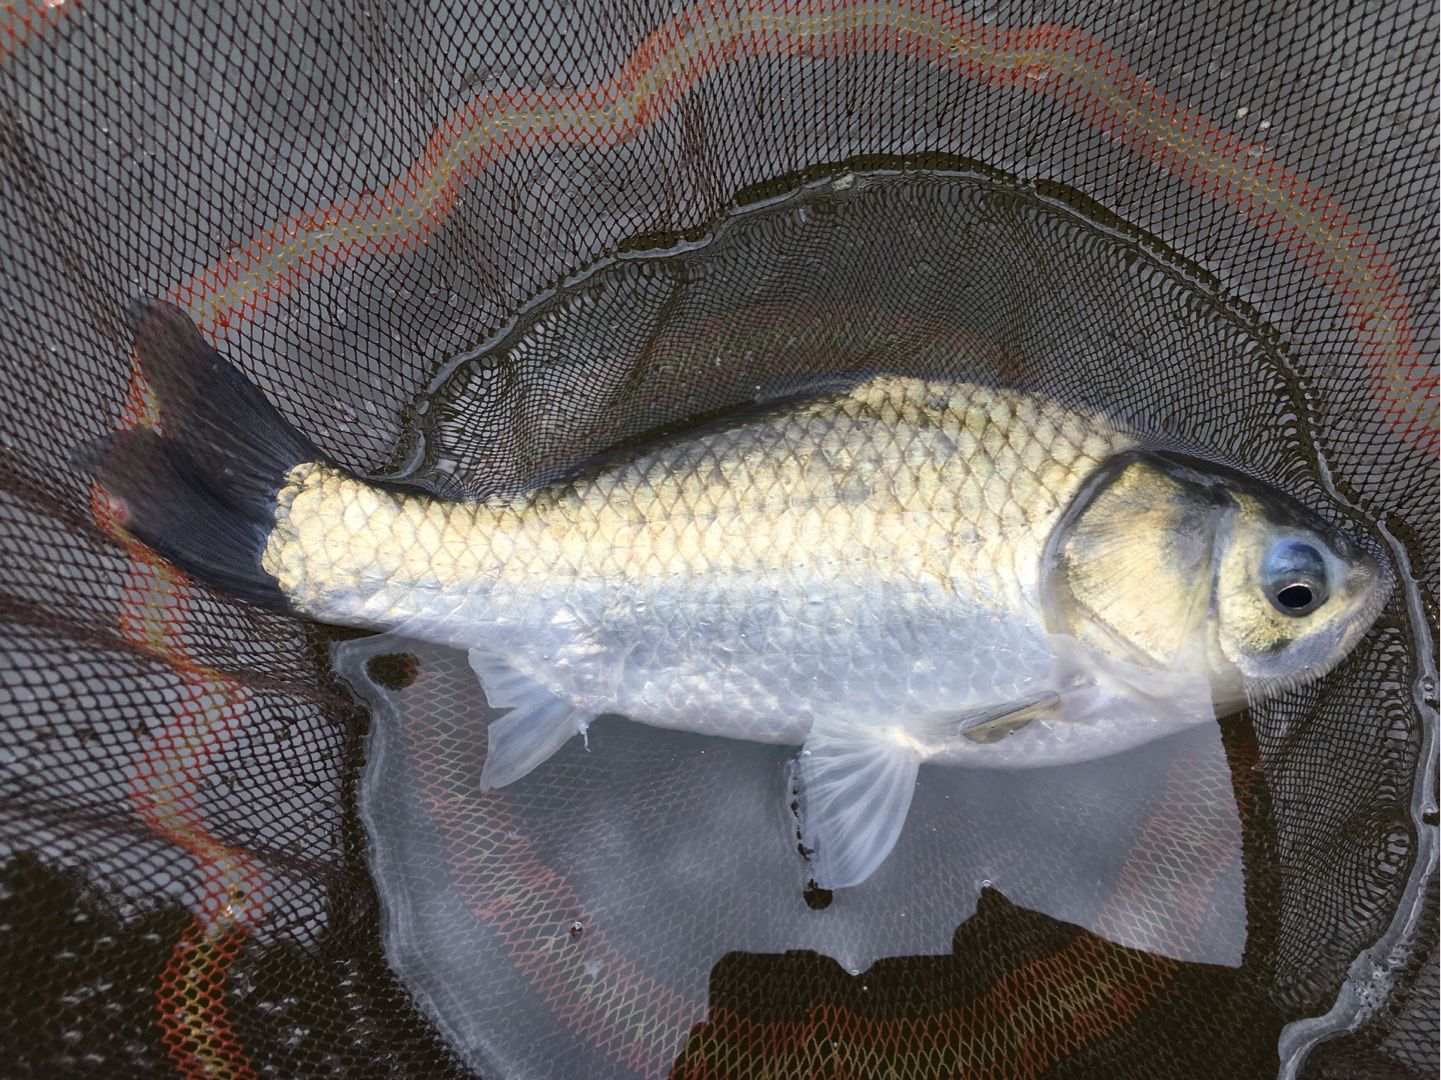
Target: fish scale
{"points": [[935, 500]]}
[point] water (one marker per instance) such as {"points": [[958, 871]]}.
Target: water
{"points": [[673, 850], [1196, 862]]}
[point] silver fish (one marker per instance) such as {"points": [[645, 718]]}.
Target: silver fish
{"points": [[899, 572]]}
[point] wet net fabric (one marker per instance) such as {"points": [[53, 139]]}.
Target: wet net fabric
{"points": [[360, 204]]}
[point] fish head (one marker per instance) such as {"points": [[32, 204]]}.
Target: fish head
{"points": [[1179, 568], [1292, 594]]}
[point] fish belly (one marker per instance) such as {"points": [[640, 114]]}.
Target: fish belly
{"points": [[762, 660]]}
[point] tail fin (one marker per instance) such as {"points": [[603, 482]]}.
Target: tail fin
{"points": [[203, 495]]}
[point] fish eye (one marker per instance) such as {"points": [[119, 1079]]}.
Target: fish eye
{"points": [[1295, 578], [1295, 597]]}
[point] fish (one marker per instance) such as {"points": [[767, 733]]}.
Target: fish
{"points": [[885, 573]]}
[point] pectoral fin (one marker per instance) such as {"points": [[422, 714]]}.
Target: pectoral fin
{"points": [[994, 724], [853, 787], [539, 722]]}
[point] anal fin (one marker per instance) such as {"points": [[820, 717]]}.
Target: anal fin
{"points": [[539, 721], [853, 789]]}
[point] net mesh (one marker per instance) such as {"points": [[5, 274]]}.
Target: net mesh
{"points": [[352, 200]]}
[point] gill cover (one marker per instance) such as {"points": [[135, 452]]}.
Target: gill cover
{"points": [[1129, 567]]}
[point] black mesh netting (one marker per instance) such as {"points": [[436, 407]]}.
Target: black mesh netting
{"points": [[1218, 216]]}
